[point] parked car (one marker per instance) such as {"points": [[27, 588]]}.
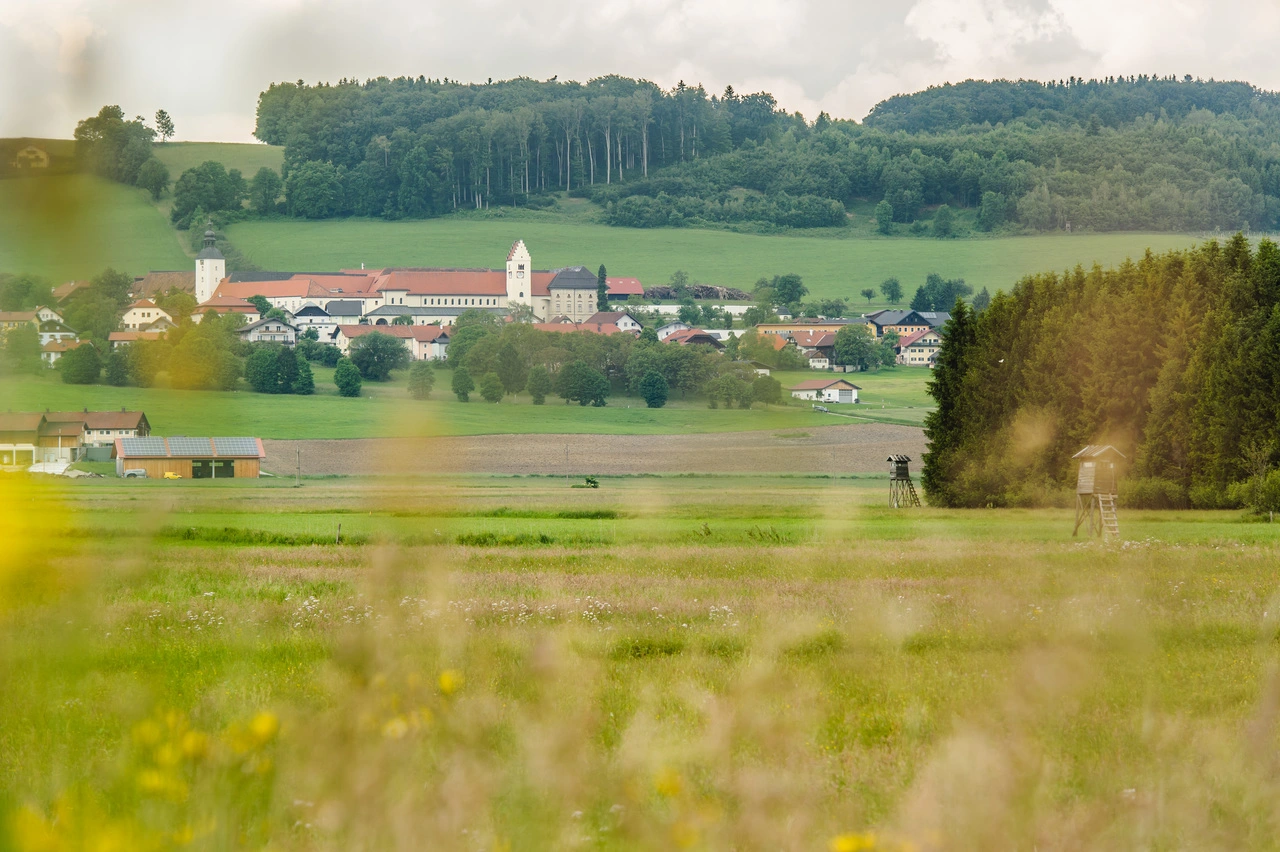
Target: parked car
{"points": [[169, 474], [136, 473]]}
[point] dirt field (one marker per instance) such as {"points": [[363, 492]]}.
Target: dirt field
{"points": [[858, 448]]}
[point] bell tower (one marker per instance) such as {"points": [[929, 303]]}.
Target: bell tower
{"points": [[519, 275], [211, 267]]}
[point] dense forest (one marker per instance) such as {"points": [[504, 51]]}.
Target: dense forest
{"points": [[1116, 154], [1174, 359]]}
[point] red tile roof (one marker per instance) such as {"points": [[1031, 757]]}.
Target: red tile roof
{"points": [[914, 336], [585, 327], [689, 336], [625, 287], [63, 291], [226, 303], [422, 333], [813, 339], [162, 282], [63, 346]]}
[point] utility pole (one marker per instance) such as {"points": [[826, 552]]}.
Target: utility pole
{"points": [[566, 464], [297, 478]]}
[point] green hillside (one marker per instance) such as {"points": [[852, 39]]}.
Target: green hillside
{"points": [[247, 157], [74, 226], [831, 267]]}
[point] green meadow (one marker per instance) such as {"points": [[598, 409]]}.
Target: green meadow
{"points": [[831, 266], [673, 662], [66, 227], [247, 157], [387, 410]]}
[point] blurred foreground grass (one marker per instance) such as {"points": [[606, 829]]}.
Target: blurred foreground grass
{"points": [[668, 662]]}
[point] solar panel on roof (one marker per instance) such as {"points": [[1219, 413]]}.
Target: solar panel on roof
{"points": [[143, 446], [189, 446], [236, 446]]}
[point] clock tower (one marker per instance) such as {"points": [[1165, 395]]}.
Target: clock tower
{"points": [[519, 275]]}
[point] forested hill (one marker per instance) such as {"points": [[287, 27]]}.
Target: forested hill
{"points": [[1141, 153], [1113, 103]]}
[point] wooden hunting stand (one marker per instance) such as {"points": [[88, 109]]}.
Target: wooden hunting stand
{"points": [[902, 492], [1096, 483]]}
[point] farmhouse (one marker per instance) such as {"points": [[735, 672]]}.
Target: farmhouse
{"points": [[826, 390], [671, 328], [191, 458], [142, 315], [269, 331], [621, 289], [55, 349], [903, 323], [803, 326], [62, 436], [621, 319], [919, 348]]}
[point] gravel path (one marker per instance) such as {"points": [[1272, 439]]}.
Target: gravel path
{"points": [[860, 448]]}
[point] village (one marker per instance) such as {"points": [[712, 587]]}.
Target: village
{"points": [[418, 307]]}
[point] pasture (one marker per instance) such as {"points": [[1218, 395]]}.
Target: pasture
{"points": [[386, 409], [247, 157], [668, 662], [831, 266], [65, 227]]}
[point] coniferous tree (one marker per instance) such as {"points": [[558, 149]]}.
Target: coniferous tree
{"points": [[944, 426], [305, 383], [602, 289]]}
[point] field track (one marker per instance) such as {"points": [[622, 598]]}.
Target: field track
{"points": [[849, 449]]}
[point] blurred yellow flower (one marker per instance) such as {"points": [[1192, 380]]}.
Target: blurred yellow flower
{"points": [[395, 728], [852, 842], [668, 783], [264, 727], [450, 681]]}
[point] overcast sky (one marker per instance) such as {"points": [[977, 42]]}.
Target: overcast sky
{"points": [[206, 62]]}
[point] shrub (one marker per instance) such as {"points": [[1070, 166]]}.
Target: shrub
{"points": [[347, 377], [1152, 493], [80, 366], [422, 378], [463, 384], [539, 384], [305, 383], [376, 355], [654, 389], [491, 387]]}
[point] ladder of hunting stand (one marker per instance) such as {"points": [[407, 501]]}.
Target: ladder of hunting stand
{"points": [[912, 499], [1107, 505]]}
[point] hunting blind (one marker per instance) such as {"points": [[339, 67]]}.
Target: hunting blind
{"points": [[1096, 487], [902, 492]]}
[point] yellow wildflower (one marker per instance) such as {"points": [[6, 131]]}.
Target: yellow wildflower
{"points": [[852, 842], [668, 783], [450, 681], [264, 727]]}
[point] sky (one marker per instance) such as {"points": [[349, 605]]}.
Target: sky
{"points": [[206, 62]]}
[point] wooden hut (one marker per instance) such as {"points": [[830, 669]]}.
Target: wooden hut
{"points": [[902, 491], [1097, 478]]}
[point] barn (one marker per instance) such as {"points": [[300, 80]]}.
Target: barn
{"points": [[191, 458]]}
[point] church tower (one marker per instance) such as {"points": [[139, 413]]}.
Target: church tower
{"points": [[519, 275], [211, 268]]}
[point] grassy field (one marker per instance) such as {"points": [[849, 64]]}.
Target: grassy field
{"points": [[247, 157], [671, 662], [74, 226], [386, 410], [831, 267]]}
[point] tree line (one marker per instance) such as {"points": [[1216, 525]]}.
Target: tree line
{"points": [[1174, 359], [1115, 154]]}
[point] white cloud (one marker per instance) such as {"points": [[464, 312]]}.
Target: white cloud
{"points": [[207, 62]]}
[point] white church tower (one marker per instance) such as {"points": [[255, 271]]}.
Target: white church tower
{"points": [[211, 268], [519, 275]]}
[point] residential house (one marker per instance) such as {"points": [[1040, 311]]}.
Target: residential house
{"points": [[312, 316], [758, 368], [63, 292], [343, 312], [693, 337], [424, 342], [101, 428], [223, 305], [142, 314], [919, 349], [47, 322], [55, 349], [569, 327], [123, 338], [269, 331], [826, 390], [622, 319], [671, 328], [818, 360], [10, 320]]}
